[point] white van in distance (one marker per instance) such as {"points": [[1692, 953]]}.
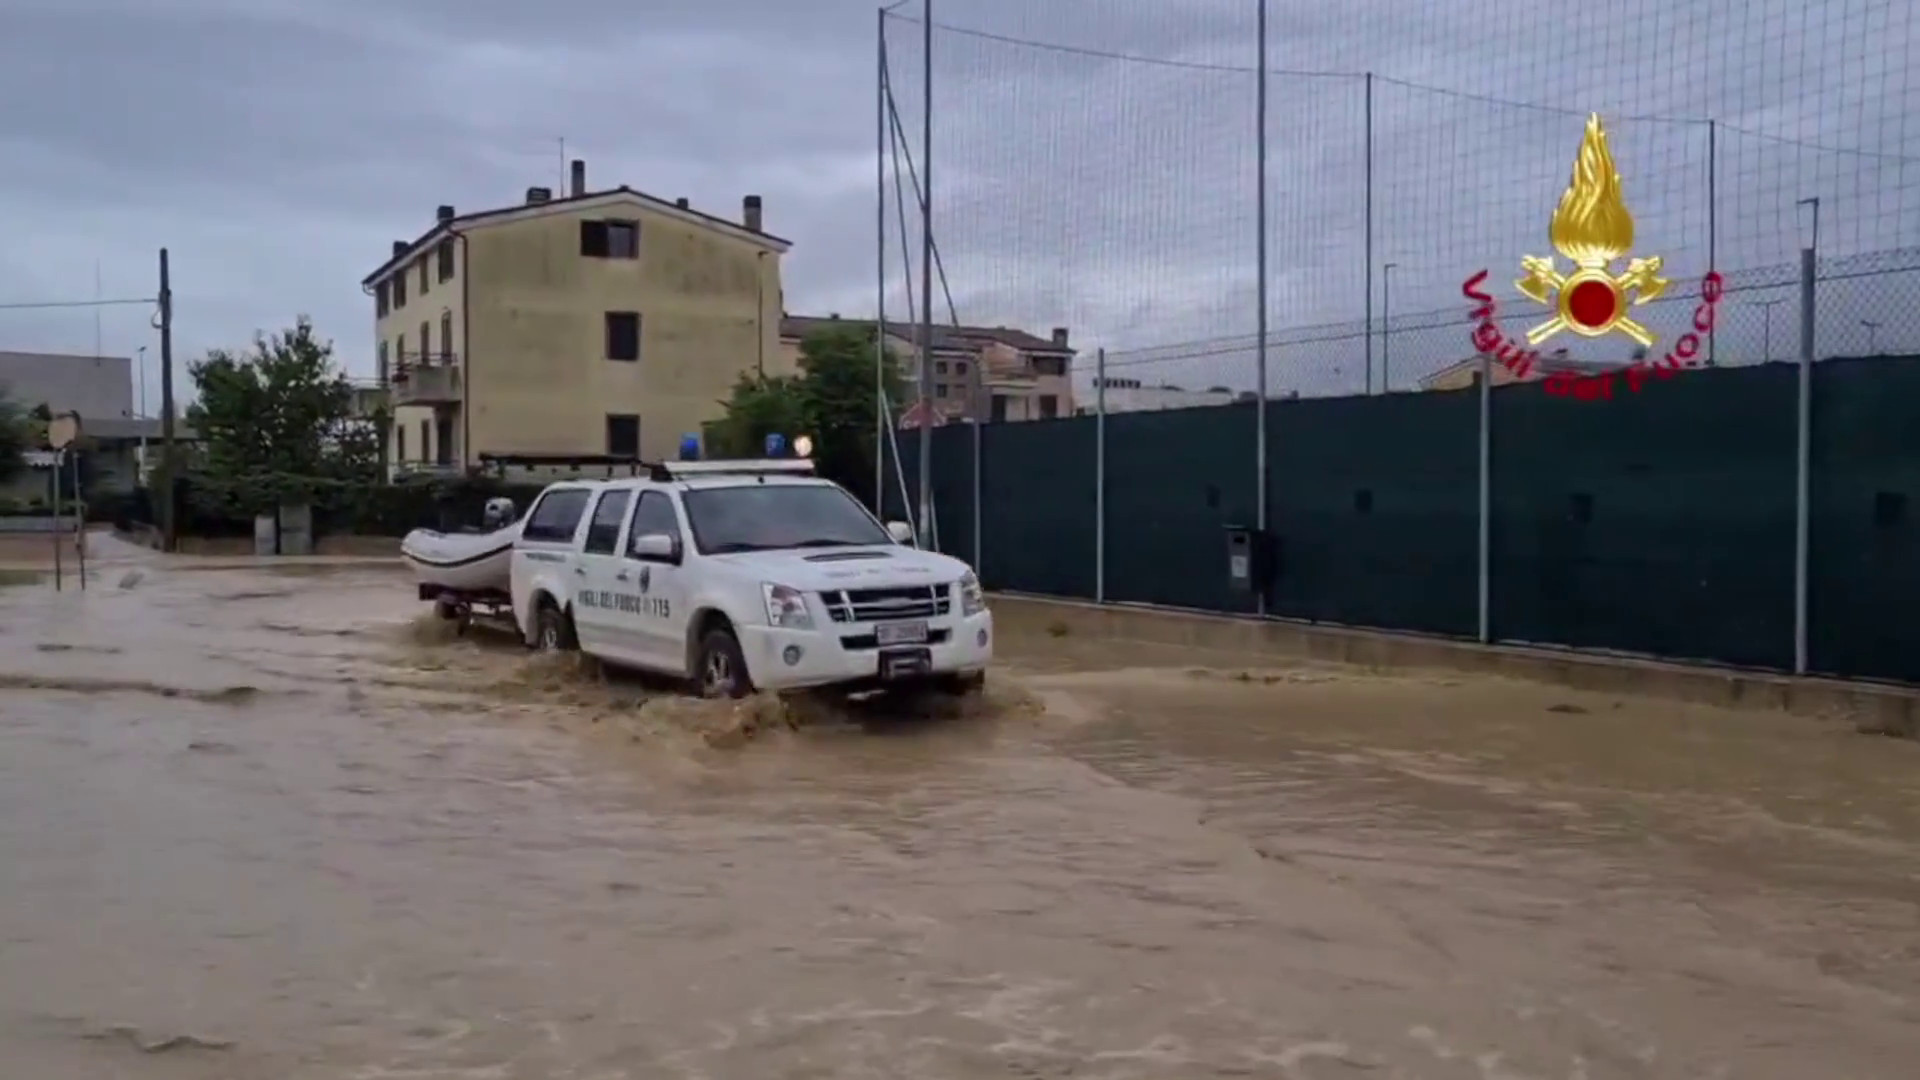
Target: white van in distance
{"points": [[745, 575]]}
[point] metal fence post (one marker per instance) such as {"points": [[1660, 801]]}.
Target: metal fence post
{"points": [[1260, 272], [1803, 487], [979, 460], [880, 271], [1486, 499], [926, 278], [1713, 224], [1367, 243], [1100, 476]]}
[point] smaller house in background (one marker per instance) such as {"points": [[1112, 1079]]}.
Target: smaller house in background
{"points": [[99, 389], [990, 373], [1466, 373], [1125, 394]]}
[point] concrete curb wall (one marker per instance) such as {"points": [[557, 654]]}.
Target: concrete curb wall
{"points": [[1874, 708], [45, 523]]}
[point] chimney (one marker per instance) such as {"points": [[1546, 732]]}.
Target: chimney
{"points": [[444, 213], [750, 213], [578, 171], [681, 202], [1060, 336], [400, 247], [538, 195]]}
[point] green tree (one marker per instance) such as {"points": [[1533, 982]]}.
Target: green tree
{"points": [[278, 423], [15, 438], [760, 405], [831, 401]]}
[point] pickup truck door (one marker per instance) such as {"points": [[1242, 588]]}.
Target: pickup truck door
{"points": [[605, 630], [659, 585]]}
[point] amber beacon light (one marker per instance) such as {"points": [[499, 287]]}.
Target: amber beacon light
{"points": [[1592, 228]]}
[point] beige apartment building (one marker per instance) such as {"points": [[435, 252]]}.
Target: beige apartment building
{"points": [[600, 322], [979, 372], [1463, 374]]}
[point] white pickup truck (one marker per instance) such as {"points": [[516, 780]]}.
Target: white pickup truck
{"points": [[745, 575]]}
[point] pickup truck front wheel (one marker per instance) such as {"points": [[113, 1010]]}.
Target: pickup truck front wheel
{"points": [[722, 668], [553, 631]]}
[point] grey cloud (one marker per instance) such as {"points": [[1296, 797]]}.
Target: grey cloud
{"points": [[277, 145]]}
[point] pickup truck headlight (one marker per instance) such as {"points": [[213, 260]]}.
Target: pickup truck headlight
{"points": [[973, 599], [786, 607]]}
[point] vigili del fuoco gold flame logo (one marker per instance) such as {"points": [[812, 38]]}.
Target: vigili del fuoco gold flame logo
{"points": [[1592, 229]]}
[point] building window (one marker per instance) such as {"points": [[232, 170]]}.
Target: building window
{"points": [[623, 239], [1049, 406], [623, 435], [960, 367], [446, 336], [399, 443], [426, 441], [423, 277], [998, 408], [444, 254], [380, 300], [380, 362], [426, 342], [399, 291], [940, 389], [940, 367], [610, 239], [623, 335], [400, 351], [1049, 365]]}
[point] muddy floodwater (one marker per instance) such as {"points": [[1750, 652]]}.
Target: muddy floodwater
{"points": [[271, 823]]}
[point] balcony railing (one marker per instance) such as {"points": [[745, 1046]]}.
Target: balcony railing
{"points": [[433, 379]]}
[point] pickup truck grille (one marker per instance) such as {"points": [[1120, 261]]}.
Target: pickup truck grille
{"points": [[886, 605]]}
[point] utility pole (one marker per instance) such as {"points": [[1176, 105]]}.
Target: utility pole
{"points": [[169, 536], [926, 274]]}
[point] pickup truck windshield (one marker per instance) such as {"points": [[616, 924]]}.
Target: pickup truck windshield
{"points": [[768, 517]]}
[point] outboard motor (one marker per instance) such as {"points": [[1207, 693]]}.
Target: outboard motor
{"points": [[500, 513]]}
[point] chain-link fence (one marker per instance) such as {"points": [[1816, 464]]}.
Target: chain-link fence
{"points": [[1101, 165]]}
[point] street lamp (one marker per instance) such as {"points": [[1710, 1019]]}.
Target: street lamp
{"points": [[1386, 325], [1872, 333]]}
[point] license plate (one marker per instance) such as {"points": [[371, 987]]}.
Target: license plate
{"points": [[900, 633], [905, 663]]}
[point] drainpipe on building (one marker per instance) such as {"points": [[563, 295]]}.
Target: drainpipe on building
{"points": [[466, 354]]}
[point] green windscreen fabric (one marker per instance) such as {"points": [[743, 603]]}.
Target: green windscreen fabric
{"points": [[1657, 522], [1375, 503], [1036, 506], [1175, 480], [1864, 572]]}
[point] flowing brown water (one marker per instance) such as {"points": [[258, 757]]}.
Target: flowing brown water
{"points": [[269, 823]]}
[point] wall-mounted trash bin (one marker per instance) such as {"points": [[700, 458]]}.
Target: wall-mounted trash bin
{"points": [[1247, 561]]}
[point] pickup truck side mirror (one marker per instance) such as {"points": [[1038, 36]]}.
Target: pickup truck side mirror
{"points": [[658, 547], [901, 532]]}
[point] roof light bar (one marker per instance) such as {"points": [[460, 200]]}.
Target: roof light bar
{"points": [[685, 470]]}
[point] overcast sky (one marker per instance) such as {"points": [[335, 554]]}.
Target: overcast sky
{"points": [[278, 146]]}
